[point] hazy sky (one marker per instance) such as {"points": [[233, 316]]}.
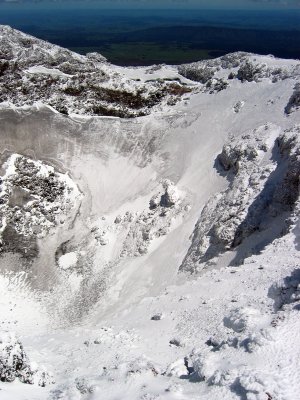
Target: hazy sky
{"points": [[191, 4]]}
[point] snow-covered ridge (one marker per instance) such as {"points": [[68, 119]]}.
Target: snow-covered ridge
{"points": [[33, 70]]}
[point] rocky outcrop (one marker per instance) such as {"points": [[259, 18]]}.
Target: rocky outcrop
{"points": [[294, 101], [156, 222], [34, 199], [264, 184], [139, 230], [14, 363], [288, 190]]}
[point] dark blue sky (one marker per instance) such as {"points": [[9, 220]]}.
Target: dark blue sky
{"points": [[163, 4]]}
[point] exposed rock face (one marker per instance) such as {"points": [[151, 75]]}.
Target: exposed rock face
{"points": [[287, 193], [264, 185], [33, 200]]}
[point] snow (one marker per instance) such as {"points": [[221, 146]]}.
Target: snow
{"points": [[68, 260], [122, 300], [47, 71], [152, 73]]}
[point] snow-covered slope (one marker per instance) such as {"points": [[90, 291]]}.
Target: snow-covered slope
{"points": [[154, 257]]}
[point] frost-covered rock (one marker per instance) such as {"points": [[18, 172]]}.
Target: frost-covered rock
{"points": [[286, 291], [177, 368], [288, 190], [14, 363], [204, 365], [243, 319], [157, 317], [253, 384], [155, 201], [294, 101], [257, 339], [221, 340], [169, 198], [34, 199], [83, 386], [177, 342], [153, 223], [237, 152], [221, 217], [259, 191], [238, 106], [256, 385], [171, 195], [215, 85], [223, 377], [94, 56]]}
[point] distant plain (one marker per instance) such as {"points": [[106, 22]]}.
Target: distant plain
{"points": [[144, 37]]}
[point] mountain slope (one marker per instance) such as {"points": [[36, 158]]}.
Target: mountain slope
{"points": [[153, 257]]}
